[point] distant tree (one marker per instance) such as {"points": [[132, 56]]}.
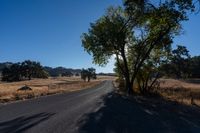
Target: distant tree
{"points": [[91, 74], [67, 74], [194, 67], [32, 69], [25, 70], [12, 73], [40, 72], [178, 65], [77, 74], [84, 74], [88, 74], [181, 65], [5, 74], [180, 62]]}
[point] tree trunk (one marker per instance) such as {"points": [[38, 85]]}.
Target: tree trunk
{"points": [[29, 77], [88, 79], [129, 86], [130, 89]]}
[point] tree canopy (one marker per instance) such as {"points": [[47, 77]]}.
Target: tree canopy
{"points": [[139, 35], [25, 70], [180, 64], [88, 74]]}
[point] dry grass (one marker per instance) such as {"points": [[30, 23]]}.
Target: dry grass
{"points": [[40, 87], [101, 78], [184, 91]]}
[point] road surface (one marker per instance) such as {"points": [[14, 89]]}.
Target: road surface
{"points": [[51, 114], [98, 110]]}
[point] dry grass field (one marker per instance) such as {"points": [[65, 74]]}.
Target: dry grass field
{"points": [[41, 87], [184, 91]]}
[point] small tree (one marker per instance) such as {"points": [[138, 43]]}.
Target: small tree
{"points": [[88, 74], [91, 74], [67, 74], [84, 74], [180, 62]]}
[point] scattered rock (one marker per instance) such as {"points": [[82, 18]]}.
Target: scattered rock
{"points": [[24, 88]]}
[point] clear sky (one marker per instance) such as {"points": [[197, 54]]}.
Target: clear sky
{"points": [[49, 31]]}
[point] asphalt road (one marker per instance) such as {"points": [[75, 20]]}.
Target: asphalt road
{"points": [[98, 110], [52, 114]]}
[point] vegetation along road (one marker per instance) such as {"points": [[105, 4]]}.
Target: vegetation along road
{"points": [[97, 110]]}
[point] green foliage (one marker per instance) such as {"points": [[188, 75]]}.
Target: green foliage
{"points": [[25, 70], [119, 65], [88, 74], [32, 69], [178, 65], [108, 37], [181, 64], [104, 38], [194, 67], [67, 74], [84, 74], [140, 37], [12, 73]]}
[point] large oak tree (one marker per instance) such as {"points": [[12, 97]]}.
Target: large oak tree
{"points": [[134, 33]]}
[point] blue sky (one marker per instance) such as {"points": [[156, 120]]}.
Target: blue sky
{"points": [[49, 31]]}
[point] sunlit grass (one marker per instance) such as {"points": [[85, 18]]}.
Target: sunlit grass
{"points": [[41, 87], [184, 91]]}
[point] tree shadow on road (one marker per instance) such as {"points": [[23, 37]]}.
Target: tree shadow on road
{"points": [[140, 114], [23, 123]]}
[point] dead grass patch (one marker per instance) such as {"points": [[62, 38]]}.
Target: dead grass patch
{"points": [[181, 90], [41, 87]]}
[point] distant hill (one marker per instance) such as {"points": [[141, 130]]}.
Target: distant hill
{"points": [[106, 74], [58, 71], [61, 70], [52, 71]]}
